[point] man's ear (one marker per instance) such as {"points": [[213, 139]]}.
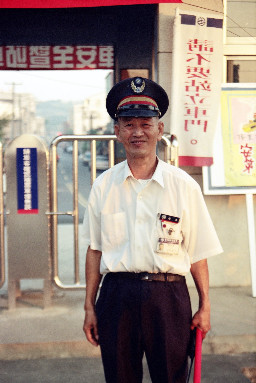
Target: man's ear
{"points": [[117, 130], [160, 130]]}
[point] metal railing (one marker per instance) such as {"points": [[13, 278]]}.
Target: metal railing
{"points": [[74, 213], [169, 143]]}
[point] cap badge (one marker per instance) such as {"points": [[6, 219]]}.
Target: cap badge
{"points": [[138, 85]]}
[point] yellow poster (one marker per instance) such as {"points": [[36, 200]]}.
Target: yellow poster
{"points": [[238, 117]]}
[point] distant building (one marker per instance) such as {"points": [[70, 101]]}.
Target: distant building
{"points": [[6, 111], [40, 126], [91, 115], [78, 119], [20, 110]]}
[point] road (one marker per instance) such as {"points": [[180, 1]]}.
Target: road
{"points": [[65, 186], [65, 204], [215, 369]]}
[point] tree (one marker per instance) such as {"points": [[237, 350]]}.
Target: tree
{"points": [[4, 120]]}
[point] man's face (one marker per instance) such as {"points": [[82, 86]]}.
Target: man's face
{"points": [[139, 135]]}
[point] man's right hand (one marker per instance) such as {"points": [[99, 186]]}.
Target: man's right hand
{"points": [[90, 327]]}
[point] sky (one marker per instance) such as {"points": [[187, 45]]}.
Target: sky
{"points": [[72, 85]]}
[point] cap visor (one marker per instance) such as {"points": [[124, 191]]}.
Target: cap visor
{"points": [[137, 113]]}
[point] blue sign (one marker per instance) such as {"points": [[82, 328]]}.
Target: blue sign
{"points": [[27, 180]]}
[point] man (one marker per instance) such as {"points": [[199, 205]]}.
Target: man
{"points": [[146, 226]]}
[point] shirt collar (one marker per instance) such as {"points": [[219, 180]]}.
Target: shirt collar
{"points": [[127, 171], [157, 176]]}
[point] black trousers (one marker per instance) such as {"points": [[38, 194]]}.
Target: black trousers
{"points": [[137, 317]]}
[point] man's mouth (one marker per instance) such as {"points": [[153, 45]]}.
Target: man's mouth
{"points": [[137, 142]]}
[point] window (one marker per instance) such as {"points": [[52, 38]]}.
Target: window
{"points": [[241, 18], [240, 41], [241, 70]]}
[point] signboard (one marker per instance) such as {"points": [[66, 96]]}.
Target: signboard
{"points": [[75, 3], [234, 168], [238, 115], [196, 85], [56, 57], [27, 182]]}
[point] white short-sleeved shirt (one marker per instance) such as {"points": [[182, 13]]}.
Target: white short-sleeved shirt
{"points": [[162, 225]]}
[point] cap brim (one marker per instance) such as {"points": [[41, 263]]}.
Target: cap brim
{"points": [[137, 113]]}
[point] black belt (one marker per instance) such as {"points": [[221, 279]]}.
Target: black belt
{"points": [[161, 277]]}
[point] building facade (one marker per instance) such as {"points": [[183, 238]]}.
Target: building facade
{"points": [[19, 109], [91, 116]]}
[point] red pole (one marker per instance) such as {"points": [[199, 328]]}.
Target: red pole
{"points": [[198, 356]]}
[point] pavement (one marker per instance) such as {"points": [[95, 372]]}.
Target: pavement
{"points": [[49, 342], [31, 331], [215, 369]]}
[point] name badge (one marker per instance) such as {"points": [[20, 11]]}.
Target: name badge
{"points": [[170, 240]]}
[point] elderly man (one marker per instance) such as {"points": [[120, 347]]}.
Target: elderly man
{"points": [[146, 227]]}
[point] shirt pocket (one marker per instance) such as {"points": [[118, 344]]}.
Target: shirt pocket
{"points": [[114, 230]]}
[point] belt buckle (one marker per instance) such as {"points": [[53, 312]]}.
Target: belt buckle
{"points": [[145, 277]]}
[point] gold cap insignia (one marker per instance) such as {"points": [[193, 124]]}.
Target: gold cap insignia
{"points": [[138, 85]]}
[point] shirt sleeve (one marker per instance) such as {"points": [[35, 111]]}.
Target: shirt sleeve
{"points": [[91, 229], [202, 241]]}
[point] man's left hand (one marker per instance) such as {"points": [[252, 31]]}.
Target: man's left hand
{"points": [[201, 320]]}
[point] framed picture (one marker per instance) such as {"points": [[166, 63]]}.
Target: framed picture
{"points": [[234, 168]]}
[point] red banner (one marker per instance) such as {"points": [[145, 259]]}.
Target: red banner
{"points": [[56, 57], [75, 3]]}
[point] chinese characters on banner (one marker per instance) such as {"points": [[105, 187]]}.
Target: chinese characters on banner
{"points": [[248, 157], [27, 181], [56, 57], [238, 115], [196, 85]]}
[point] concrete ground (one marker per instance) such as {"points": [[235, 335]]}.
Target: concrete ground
{"points": [[30, 331], [215, 369], [48, 345]]}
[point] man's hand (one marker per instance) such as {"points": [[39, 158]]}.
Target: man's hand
{"points": [[201, 319], [93, 278], [90, 327]]}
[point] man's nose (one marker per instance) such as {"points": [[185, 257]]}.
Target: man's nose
{"points": [[137, 131]]}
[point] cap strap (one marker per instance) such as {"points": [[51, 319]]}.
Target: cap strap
{"points": [[139, 100]]}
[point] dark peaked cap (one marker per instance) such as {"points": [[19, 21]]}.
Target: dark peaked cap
{"points": [[137, 97]]}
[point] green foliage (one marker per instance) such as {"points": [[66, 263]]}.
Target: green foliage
{"points": [[4, 120]]}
